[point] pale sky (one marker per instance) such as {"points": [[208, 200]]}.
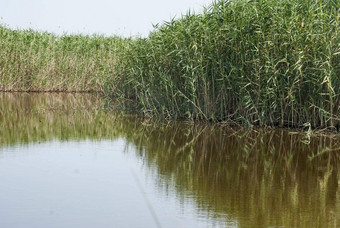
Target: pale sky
{"points": [[108, 17]]}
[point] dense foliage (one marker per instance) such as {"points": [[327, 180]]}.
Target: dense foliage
{"points": [[264, 62], [40, 61]]}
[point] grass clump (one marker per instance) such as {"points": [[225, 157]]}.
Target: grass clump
{"points": [[259, 62], [41, 61]]}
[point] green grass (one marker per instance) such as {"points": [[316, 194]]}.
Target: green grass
{"points": [[40, 61], [261, 62]]}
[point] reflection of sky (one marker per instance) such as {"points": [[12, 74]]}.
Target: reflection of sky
{"points": [[127, 17], [88, 184]]}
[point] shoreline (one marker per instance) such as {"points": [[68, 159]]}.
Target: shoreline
{"points": [[236, 61]]}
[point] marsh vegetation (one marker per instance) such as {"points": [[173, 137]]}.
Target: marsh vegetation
{"points": [[260, 62]]}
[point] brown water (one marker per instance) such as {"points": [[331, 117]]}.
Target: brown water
{"points": [[65, 161]]}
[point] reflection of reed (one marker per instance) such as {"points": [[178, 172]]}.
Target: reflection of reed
{"points": [[260, 178], [39, 117], [268, 177]]}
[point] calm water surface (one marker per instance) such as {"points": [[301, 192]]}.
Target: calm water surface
{"points": [[65, 161]]}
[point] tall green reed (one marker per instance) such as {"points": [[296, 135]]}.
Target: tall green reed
{"points": [[40, 61], [261, 62]]}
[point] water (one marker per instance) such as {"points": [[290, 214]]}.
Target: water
{"points": [[65, 161]]}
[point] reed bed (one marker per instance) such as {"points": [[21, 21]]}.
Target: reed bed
{"points": [[260, 62], [41, 61]]}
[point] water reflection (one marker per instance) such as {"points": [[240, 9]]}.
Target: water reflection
{"points": [[232, 176], [262, 179], [26, 118]]}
